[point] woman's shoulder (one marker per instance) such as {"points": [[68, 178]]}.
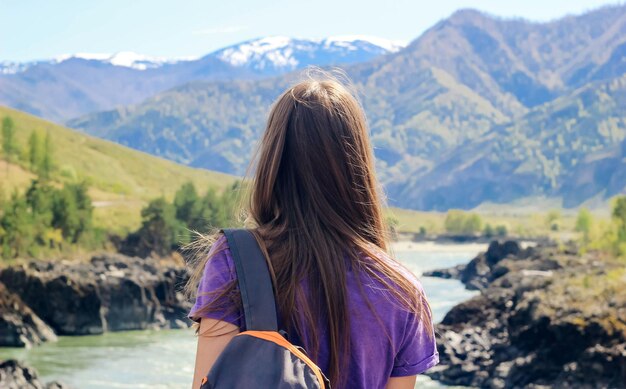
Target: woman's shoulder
{"points": [[219, 263]]}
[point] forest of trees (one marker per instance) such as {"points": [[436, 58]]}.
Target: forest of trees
{"points": [[459, 222], [43, 217], [168, 226], [50, 216]]}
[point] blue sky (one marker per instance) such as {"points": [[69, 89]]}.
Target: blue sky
{"points": [[43, 29]]}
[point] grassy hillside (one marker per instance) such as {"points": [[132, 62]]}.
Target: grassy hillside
{"points": [[122, 179]]}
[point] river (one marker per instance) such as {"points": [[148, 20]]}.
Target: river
{"points": [[164, 358]]}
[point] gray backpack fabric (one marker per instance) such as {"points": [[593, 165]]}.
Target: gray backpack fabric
{"points": [[259, 357]]}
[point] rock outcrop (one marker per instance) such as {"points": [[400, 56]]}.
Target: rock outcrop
{"points": [[111, 292], [545, 317], [480, 271], [19, 325], [15, 375]]}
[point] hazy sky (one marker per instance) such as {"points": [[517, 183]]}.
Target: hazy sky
{"points": [[46, 28]]}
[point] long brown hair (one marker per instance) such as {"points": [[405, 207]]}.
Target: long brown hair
{"points": [[315, 198]]}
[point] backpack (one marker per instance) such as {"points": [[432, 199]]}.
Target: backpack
{"points": [[260, 357]]}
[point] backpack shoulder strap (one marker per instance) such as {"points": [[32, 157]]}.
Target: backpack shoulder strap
{"points": [[255, 283]]}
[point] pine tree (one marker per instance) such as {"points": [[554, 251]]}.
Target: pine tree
{"points": [[619, 216], [9, 147], [47, 162], [187, 204], [583, 223], [34, 152], [73, 211], [8, 136], [18, 228], [160, 231]]}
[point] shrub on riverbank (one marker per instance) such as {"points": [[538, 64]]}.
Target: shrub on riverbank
{"points": [[167, 226], [605, 235], [46, 218]]}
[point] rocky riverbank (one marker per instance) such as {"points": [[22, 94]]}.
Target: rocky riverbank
{"points": [[15, 375], [545, 317], [111, 292]]}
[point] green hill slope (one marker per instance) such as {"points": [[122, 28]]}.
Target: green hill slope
{"points": [[122, 179]]}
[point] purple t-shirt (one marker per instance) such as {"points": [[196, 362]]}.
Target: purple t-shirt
{"points": [[372, 359]]}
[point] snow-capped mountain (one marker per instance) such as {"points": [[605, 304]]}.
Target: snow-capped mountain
{"points": [[269, 54], [127, 59], [10, 67], [281, 53], [90, 82]]}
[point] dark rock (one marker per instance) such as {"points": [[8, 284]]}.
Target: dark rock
{"points": [[15, 375], [498, 251], [110, 293], [486, 267], [19, 325], [535, 324], [450, 273]]}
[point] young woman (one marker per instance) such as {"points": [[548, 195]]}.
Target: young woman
{"points": [[317, 209]]}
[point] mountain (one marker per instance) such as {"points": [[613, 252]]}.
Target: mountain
{"points": [[215, 123], [514, 63], [280, 54], [123, 58], [567, 148], [506, 108], [74, 85]]}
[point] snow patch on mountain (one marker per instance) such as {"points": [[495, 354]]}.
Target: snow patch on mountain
{"points": [[281, 52], [123, 58], [269, 54], [126, 59], [349, 41]]}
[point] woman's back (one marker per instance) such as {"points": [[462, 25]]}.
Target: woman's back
{"points": [[386, 339], [314, 194]]}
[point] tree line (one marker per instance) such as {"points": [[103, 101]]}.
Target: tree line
{"points": [[459, 222], [608, 235], [167, 226], [46, 218], [43, 217], [38, 155]]}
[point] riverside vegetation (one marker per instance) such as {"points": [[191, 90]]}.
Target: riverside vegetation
{"points": [[44, 217]]}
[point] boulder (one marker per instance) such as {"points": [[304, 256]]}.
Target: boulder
{"points": [[16, 375], [19, 325]]}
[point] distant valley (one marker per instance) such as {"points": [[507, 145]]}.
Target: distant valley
{"points": [[476, 110]]}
